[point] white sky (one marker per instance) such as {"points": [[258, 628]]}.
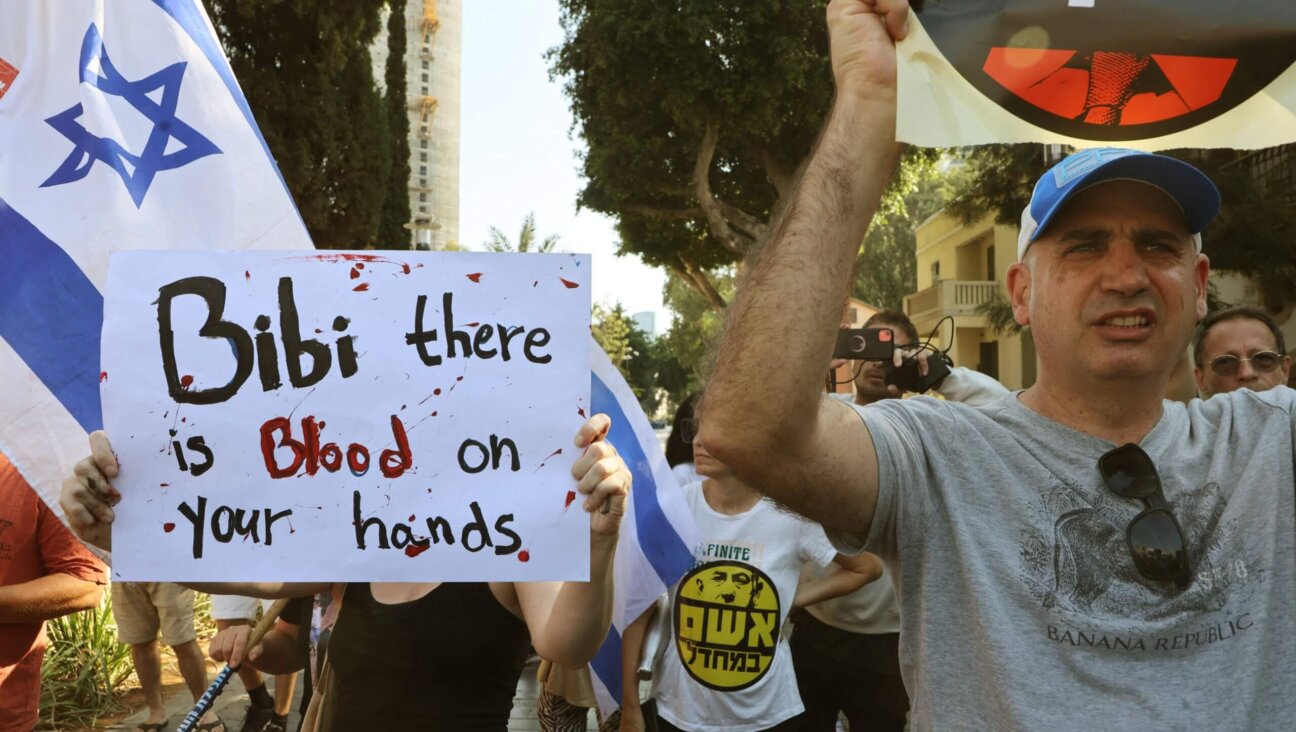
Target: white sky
{"points": [[516, 156]]}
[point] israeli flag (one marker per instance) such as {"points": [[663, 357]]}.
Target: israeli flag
{"points": [[653, 550], [121, 127]]}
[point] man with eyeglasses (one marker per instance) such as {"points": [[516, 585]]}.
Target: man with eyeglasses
{"points": [[1078, 555], [1239, 348]]}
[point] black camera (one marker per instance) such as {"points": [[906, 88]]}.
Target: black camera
{"points": [[907, 377], [865, 344]]}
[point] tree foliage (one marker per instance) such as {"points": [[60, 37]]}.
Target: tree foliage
{"points": [[498, 241], [306, 71], [1255, 233], [696, 115], [395, 215], [886, 269]]}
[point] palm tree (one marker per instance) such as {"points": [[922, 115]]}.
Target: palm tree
{"points": [[498, 241]]}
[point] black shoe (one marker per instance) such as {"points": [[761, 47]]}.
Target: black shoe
{"points": [[257, 718], [276, 724]]}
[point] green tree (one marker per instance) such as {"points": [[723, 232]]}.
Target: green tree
{"points": [[498, 241], [739, 92], [395, 213], [612, 329], [306, 70], [886, 269]]}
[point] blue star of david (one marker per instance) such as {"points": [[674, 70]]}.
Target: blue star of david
{"points": [[136, 171]]}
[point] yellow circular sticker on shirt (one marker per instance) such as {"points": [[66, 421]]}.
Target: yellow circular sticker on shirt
{"points": [[726, 624]]}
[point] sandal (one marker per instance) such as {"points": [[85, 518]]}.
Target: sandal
{"points": [[152, 726], [211, 726]]}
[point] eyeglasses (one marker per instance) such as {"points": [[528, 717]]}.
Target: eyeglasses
{"points": [[1228, 364], [688, 429], [1156, 543]]}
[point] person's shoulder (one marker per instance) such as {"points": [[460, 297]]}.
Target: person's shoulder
{"points": [[1280, 399]]}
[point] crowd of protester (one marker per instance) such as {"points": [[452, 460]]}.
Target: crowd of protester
{"points": [[1087, 552]]}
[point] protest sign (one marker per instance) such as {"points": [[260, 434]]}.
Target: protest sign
{"points": [[347, 416], [1148, 74]]}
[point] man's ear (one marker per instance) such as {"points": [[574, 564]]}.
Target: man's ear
{"points": [[1201, 275], [1018, 281], [1199, 375]]}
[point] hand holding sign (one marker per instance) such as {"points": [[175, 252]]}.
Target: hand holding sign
{"points": [[863, 49]]}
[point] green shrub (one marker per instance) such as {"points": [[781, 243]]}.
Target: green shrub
{"points": [[84, 667]]}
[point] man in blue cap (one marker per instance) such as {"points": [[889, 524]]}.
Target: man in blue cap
{"points": [[1077, 555]]}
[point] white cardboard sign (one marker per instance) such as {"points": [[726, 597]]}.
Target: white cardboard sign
{"points": [[331, 416]]}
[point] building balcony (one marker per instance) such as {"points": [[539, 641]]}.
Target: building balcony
{"points": [[957, 299]]}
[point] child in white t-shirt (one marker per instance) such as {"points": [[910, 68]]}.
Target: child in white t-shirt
{"points": [[725, 667]]}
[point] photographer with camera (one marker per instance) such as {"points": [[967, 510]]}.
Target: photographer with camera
{"points": [[846, 650]]}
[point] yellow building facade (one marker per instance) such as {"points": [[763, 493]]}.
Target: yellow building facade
{"points": [[961, 267]]}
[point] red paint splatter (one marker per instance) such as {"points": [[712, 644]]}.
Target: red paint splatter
{"points": [[533, 284], [355, 273], [405, 268], [403, 407], [471, 325], [571, 496], [168, 527], [247, 275], [581, 412], [411, 518], [436, 391], [434, 414], [360, 266], [569, 284], [291, 529], [186, 381], [361, 287], [352, 258], [184, 419], [103, 376], [318, 331], [555, 452], [413, 550], [475, 276], [458, 378], [524, 556], [164, 485]]}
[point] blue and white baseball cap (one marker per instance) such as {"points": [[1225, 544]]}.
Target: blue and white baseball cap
{"points": [[1196, 195]]}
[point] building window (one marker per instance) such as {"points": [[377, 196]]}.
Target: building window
{"points": [[424, 78], [422, 182], [854, 316], [422, 209], [423, 144], [422, 196], [422, 170], [423, 157], [935, 270], [423, 90], [425, 64]]}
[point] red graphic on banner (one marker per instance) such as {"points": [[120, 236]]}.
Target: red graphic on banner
{"points": [[7, 75], [1110, 88]]}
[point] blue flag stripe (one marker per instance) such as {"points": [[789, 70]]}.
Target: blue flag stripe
{"points": [[51, 314], [658, 540], [606, 664]]}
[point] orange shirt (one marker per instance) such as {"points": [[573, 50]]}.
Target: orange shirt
{"points": [[33, 544]]}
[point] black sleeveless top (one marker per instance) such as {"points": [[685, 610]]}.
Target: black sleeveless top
{"points": [[449, 660]]}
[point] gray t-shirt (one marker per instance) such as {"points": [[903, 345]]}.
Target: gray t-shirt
{"points": [[1020, 606]]}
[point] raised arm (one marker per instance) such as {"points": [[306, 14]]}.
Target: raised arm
{"points": [[763, 415]]}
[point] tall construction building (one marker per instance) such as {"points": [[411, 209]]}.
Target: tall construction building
{"points": [[433, 39]]}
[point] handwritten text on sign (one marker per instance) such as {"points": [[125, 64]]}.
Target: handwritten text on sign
{"points": [[347, 416]]}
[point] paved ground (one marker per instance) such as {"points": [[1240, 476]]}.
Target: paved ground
{"points": [[232, 705]]}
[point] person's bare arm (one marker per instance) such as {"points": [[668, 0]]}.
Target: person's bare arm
{"points": [[762, 414], [569, 620], [275, 654], [853, 572], [48, 597], [632, 641]]}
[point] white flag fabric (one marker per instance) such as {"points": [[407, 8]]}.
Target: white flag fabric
{"points": [[658, 532], [121, 128]]}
